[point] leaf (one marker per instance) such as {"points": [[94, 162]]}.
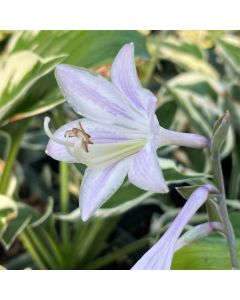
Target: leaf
{"points": [[112, 211], [199, 96], [81, 48], [229, 49], [84, 48], [220, 131], [5, 143], [27, 216], [20, 262], [47, 214], [187, 56], [186, 191], [16, 227], [116, 255], [18, 72], [196, 95], [235, 220], [232, 103], [166, 113], [174, 173], [8, 211], [210, 254]]}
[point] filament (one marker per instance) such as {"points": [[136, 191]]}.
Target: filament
{"points": [[51, 136]]}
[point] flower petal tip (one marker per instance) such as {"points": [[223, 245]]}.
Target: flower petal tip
{"points": [[164, 190], [85, 214], [62, 72], [84, 218], [204, 142], [127, 48]]}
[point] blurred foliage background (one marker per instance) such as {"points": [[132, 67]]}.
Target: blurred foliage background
{"points": [[195, 75]]}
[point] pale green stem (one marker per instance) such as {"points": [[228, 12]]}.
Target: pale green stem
{"points": [[11, 158], [43, 251], [235, 176], [223, 209], [30, 248], [64, 200]]}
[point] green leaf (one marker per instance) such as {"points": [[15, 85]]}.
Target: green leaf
{"points": [[188, 56], [186, 191], [8, 211], [166, 113], [198, 96], [174, 173], [47, 214], [235, 220], [232, 103], [229, 49], [81, 48], [5, 143], [16, 226], [27, 216], [210, 254], [110, 258], [220, 131], [84, 48], [19, 71]]}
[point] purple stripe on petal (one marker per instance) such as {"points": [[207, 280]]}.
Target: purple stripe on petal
{"points": [[159, 257], [93, 96], [104, 134], [145, 171], [124, 76], [99, 185]]}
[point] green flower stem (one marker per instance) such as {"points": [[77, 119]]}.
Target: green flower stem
{"points": [[217, 168], [235, 175], [42, 249], [63, 182], [64, 200], [31, 249], [54, 247], [16, 138]]}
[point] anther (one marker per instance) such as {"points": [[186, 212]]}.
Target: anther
{"points": [[82, 134]]}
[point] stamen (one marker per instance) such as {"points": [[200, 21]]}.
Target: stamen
{"points": [[77, 150], [70, 150], [51, 136], [82, 135]]}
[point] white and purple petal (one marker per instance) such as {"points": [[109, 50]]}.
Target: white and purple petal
{"points": [[124, 76], [99, 185], [59, 150], [95, 98], [107, 140], [145, 171], [159, 257], [192, 140]]}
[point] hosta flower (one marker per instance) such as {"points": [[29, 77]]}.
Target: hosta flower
{"points": [[159, 257], [119, 134]]}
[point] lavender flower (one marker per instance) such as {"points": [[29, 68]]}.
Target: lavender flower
{"points": [[119, 134], [159, 257]]}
